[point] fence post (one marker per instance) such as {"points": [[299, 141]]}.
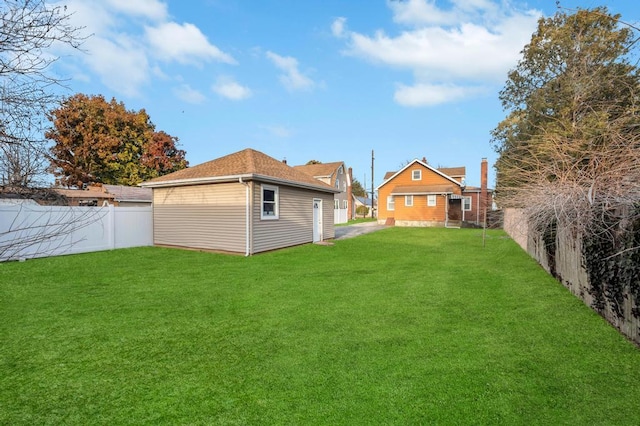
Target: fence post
{"points": [[111, 227]]}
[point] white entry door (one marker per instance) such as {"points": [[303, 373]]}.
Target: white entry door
{"points": [[317, 220]]}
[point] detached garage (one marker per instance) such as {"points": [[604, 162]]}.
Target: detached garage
{"points": [[245, 202]]}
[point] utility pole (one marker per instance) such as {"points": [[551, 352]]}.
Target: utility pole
{"points": [[372, 200]]}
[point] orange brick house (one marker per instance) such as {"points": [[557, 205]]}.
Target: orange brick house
{"points": [[420, 195]]}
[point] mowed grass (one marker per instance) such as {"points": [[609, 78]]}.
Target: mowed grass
{"points": [[402, 326]]}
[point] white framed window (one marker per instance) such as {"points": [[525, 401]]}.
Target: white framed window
{"points": [[336, 204], [416, 175], [431, 200], [345, 204], [466, 204], [391, 204], [269, 202], [408, 200]]}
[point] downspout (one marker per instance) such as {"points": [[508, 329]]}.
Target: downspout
{"points": [[247, 250]]}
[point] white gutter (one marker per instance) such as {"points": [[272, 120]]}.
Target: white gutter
{"points": [[247, 249], [235, 178]]}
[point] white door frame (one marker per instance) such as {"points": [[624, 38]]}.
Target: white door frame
{"points": [[317, 220]]}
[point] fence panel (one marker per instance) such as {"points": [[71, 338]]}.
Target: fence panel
{"points": [[30, 231], [566, 262], [133, 226]]}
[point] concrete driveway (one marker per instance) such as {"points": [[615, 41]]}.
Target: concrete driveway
{"points": [[350, 231]]}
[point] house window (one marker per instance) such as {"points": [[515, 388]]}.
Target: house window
{"points": [[269, 202], [391, 204], [416, 175], [336, 204], [431, 200], [345, 204], [466, 204], [408, 200]]}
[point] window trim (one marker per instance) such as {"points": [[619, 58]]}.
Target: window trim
{"points": [[432, 200], [276, 202], [413, 174], [391, 203], [464, 200], [408, 200]]}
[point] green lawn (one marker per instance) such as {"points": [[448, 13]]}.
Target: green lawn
{"points": [[402, 326]]}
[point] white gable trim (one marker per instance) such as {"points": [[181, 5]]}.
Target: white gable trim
{"points": [[452, 180]]}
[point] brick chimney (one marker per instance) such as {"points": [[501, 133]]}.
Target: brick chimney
{"points": [[484, 199], [350, 195]]}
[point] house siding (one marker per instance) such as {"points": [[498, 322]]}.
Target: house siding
{"points": [[419, 214], [201, 216], [294, 225]]}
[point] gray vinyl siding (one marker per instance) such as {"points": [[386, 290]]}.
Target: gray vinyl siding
{"points": [[201, 216], [294, 225]]}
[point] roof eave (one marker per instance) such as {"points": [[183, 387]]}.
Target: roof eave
{"points": [[236, 178]]}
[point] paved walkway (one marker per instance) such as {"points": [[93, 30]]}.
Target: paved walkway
{"points": [[350, 231]]}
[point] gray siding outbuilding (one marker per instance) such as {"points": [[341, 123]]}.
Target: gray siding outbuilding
{"points": [[246, 202]]}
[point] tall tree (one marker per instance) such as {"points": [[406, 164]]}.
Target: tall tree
{"points": [[28, 29], [102, 142], [357, 189], [570, 140]]}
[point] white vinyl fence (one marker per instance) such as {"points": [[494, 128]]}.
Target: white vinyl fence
{"points": [[30, 231], [340, 216]]}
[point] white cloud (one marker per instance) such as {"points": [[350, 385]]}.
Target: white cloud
{"points": [[292, 79], [189, 95], [151, 9], [133, 41], [121, 64], [338, 26], [184, 43], [228, 88], [432, 94], [473, 44]]}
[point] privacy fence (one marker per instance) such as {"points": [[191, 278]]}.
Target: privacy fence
{"points": [[30, 231], [614, 294]]}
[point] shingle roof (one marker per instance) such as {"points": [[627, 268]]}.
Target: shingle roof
{"points": [[83, 193], [453, 171], [320, 169], [422, 189], [248, 163], [129, 193]]}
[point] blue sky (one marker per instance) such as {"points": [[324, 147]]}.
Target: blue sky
{"points": [[329, 80]]}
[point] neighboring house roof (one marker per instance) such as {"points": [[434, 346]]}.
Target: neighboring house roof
{"points": [[475, 189], [422, 189], [130, 194], [363, 200], [247, 164], [390, 177], [321, 171], [84, 193], [454, 171]]}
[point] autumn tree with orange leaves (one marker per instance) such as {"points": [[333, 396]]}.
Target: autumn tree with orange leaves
{"points": [[102, 142]]}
